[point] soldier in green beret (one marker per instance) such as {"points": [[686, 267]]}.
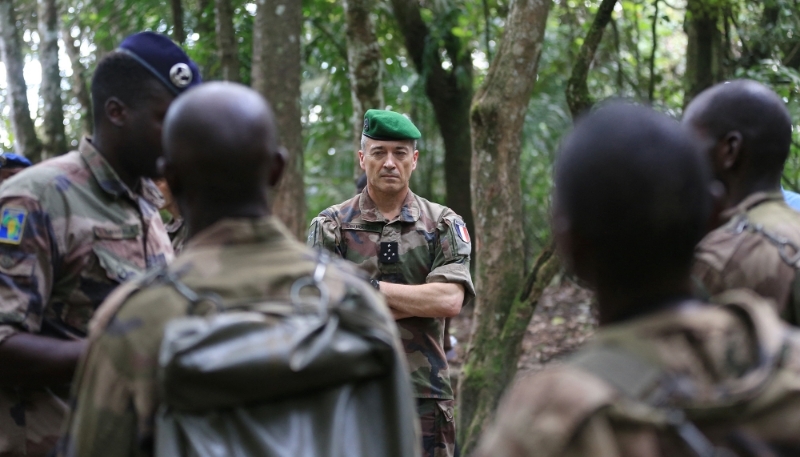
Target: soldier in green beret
{"points": [[417, 254]]}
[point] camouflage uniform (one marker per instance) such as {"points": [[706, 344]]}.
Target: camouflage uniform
{"points": [[177, 230], [754, 250], [734, 371], [426, 243], [70, 233], [116, 387]]}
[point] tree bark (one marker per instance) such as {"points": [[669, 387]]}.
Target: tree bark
{"points": [[364, 64], [80, 86], [506, 298], [25, 140], [226, 41], [178, 32], [54, 136], [578, 97], [276, 74], [704, 47], [450, 93]]}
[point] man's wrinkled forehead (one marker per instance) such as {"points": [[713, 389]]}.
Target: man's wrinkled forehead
{"points": [[373, 144]]}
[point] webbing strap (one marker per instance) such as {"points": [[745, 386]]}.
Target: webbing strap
{"points": [[643, 381]]}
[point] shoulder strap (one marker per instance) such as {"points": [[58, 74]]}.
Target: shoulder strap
{"points": [[644, 381]]}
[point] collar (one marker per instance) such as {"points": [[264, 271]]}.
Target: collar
{"points": [[109, 180], [369, 211], [751, 202], [243, 230]]}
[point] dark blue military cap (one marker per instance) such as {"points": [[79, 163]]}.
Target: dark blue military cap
{"points": [[11, 160], [165, 60]]}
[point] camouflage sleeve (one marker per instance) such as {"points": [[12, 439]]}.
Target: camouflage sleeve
{"points": [[451, 262], [324, 233], [27, 257]]}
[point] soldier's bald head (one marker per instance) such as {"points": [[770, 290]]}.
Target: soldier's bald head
{"points": [[221, 142], [632, 196], [758, 115]]}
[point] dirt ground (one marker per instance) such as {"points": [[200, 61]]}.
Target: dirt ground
{"points": [[563, 320]]}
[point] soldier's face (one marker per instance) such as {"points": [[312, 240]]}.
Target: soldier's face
{"points": [[388, 164], [146, 122]]}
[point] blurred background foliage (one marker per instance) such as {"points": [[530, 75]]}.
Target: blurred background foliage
{"points": [[642, 57]]}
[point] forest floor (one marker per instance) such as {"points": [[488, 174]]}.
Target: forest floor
{"points": [[563, 321]]}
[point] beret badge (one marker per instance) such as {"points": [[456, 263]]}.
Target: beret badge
{"points": [[180, 74]]}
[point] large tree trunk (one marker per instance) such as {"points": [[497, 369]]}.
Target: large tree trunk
{"points": [[178, 32], [450, 93], [506, 298], [364, 63], [578, 97], [80, 86], [276, 74], [25, 140], [704, 48], [226, 41], [55, 138]]}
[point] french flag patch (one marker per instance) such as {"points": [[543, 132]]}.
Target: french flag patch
{"points": [[461, 230]]}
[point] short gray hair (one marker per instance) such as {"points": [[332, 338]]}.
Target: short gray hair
{"points": [[364, 139]]}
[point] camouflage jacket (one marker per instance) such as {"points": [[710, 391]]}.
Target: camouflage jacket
{"points": [[177, 230], [734, 371], [750, 250], [70, 232], [426, 243], [241, 260]]}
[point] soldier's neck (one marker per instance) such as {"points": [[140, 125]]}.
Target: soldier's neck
{"points": [[204, 216], [624, 302], [389, 204], [739, 191]]}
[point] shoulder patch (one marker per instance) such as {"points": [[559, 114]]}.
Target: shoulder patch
{"points": [[461, 231], [12, 225]]}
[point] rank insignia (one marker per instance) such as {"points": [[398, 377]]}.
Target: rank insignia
{"points": [[12, 224], [389, 252], [461, 230]]}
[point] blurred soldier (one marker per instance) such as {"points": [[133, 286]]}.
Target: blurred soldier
{"points": [[11, 164], [417, 253], [73, 228], [242, 259], [171, 217], [746, 132], [666, 375]]}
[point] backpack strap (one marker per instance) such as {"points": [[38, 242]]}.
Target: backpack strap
{"points": [[789, 253], [643, 381]]}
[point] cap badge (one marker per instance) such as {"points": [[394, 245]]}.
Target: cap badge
{"points": [[366, 124], [180, 74]]}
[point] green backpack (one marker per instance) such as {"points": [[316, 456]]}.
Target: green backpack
{"points": [[309, 377]]}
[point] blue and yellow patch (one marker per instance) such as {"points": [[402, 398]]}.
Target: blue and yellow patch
{"points": [[12, 225]]}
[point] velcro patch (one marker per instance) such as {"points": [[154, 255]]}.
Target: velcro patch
{"points": [[12, 225], [461, 231]]}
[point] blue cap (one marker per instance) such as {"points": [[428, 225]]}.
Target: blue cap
{"points": [[164, 59], [11, 160]]}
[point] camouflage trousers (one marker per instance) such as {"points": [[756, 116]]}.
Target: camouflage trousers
{"points": [[438, 427]]}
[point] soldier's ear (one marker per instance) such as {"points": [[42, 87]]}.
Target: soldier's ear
{"points": [[729, 150], [116, 111], [277, 165]]}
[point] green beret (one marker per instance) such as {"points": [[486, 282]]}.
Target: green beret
{"points": [[387, 125]]}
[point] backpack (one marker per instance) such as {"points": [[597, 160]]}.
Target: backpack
{"points": [[314, 376]]}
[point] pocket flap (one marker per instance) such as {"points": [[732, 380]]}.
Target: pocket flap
{"points": [[119, 232], [17, 265], [116, 268]]}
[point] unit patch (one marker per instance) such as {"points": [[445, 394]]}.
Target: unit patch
{"points": [[12, 224]]}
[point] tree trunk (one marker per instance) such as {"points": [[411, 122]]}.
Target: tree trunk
{"points": [[704, 48], [506, 298], [55, 137], [364, 64], [226, 41], [80, 86], [450, 93], [578, 97], [178, 32], [25, 140], [276, 74]]}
